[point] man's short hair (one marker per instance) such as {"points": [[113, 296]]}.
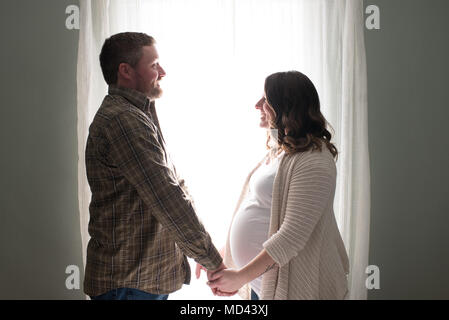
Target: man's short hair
{"points": [[123, 47]]}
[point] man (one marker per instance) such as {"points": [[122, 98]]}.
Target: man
{"points": [[142, 221]]}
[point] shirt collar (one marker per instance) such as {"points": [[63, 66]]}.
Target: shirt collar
{"points": [[139, 99]]}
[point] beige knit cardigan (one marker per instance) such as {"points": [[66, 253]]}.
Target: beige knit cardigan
{"points": [[303, 237]]}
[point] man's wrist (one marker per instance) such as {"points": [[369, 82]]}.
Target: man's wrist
{"points": [[215, 260]]}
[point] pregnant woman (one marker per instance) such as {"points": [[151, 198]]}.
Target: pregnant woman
{"points": [[284, 240]]}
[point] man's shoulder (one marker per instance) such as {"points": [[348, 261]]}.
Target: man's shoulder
{"points": [[116, 107]]}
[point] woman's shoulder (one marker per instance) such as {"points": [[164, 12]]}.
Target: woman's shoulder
{"points": [[315, 158]]}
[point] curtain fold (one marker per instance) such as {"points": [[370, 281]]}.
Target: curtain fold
{"points": [[91, 88], [354, 171], [235, 45]]}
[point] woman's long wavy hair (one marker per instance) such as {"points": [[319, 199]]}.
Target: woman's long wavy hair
{"points": [[299, 122]]}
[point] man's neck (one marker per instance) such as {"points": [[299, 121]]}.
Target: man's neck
{"points": [[125, 85]]}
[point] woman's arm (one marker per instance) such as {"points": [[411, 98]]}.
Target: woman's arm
{"points": [[229, 280], [258, 266], [310, 192]]}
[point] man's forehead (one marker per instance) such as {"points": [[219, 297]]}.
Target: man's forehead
{"points": [[150, 52]]}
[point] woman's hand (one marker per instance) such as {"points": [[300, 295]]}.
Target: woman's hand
{"points": [[227, 280]]}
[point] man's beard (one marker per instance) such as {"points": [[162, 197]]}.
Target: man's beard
{"points": [[155, 93]]}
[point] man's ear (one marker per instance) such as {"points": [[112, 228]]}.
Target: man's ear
{"points": [[125, 71]]}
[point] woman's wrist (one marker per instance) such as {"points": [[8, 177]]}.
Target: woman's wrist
{"points": [[244, 275], [256, 267]]}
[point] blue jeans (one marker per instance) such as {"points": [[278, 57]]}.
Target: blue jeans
{"points": [[129, 294], [254, 295]]}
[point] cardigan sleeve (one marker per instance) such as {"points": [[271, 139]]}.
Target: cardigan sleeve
{"points": [[309, 193]]}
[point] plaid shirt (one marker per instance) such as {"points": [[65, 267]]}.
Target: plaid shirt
{"points": [[142, 220]]}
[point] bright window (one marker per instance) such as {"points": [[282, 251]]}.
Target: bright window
{"points": [[217, 55]]}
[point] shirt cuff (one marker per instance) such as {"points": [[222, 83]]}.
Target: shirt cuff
{"points": [[213, 260]]}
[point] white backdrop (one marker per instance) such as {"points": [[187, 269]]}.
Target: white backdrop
{"points": [[217, 54]]}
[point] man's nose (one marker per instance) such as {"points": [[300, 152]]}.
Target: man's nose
{"points": [[161, 72]]}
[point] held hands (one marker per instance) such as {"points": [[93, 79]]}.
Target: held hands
{"points": [[210, 276], [214, 276], [226, 280]]}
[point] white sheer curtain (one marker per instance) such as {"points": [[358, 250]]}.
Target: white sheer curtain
{"points": [[217, 54]]}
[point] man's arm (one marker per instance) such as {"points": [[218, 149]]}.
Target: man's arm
{"points": [[135, 149]]}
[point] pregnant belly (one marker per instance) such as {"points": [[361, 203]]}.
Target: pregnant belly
{"points": [[248, 232]]}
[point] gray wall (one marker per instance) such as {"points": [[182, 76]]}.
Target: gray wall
{"points": [[409, 148], [407, 75], [39, 228]]}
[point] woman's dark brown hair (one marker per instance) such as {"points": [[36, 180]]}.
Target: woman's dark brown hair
{"points": [[301, 125]]}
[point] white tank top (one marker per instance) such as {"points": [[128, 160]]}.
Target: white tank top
{"points": [[249, 229]]}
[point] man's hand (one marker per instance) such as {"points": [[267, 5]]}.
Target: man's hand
{"points": [[198, 270], [226, 280], [215, 291], [211, 272], [209, 275], [213, 275]]}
